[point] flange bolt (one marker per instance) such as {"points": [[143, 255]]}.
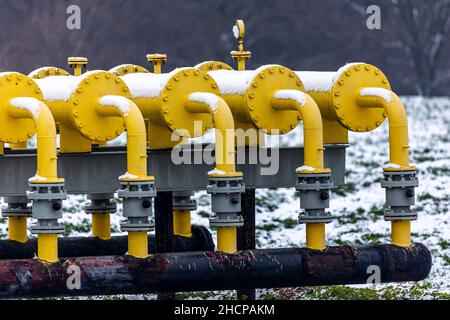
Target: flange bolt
{"points": [[324, 195], [56, 206], [146, 204], [410, 193]]}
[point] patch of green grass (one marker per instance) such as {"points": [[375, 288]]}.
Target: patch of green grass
{"points": [[288, 223], [85, 226], [444, 244], [269, 200], [373, 238], [203, 214], [446, 259], [344, 189], [267, 227]]}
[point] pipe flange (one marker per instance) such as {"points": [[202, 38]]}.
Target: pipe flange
{"points": [[184, 204], [320, 216], [49, 226], [400, 215], [101, 206], [225, 194], [400, 195], [182, 201], [225, 185], [137, 224], [46, 191], [137, 189], [226, 220], [16, 210]]}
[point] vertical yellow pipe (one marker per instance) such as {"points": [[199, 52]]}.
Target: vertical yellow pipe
{"points": [[182, 223], [401, 233], [101, 225], [315, 236], [48, 247], [226, 239], [17, 229], [138, 244], [398, 147]]}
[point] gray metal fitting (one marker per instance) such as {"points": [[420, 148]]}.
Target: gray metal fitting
{"points": [[226, 220], [226, 201], [182, 201], [314, 191], [17, 206], [400, 195], [137, 205], [47, 207], [101, 203]]}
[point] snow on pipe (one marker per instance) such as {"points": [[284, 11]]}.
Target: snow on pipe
{"points": [[198, 271]]}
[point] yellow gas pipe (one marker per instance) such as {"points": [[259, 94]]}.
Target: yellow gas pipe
{"points": [[199, 102], [345, 106], [97, 110], [31, 108], [313, 148], [171, 114], [136, 156], [23, 115], [398, 145]]}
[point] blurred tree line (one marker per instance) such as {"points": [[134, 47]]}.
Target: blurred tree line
{"points": [[412, 47]]}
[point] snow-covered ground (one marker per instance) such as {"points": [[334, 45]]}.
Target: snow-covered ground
{"points": [[357, 208]]}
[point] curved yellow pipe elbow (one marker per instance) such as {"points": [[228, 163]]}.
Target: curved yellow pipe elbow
{"points": [[199, 102], [136, 134], [32, 108], [312, 124], [398, 123]]}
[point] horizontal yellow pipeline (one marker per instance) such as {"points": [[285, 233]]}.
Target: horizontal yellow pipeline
{"points": [[312, 124], [136, 134], [31, 108], [224, 125], [398, 123]]}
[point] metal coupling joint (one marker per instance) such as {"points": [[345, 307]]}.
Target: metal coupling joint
{"points": [[400, 195], [137, 205], [226, 201], [314, 191], [47, 207]]}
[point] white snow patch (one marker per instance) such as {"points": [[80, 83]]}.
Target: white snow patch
{"points": [[216, 171], [34, 73], [37, 178], [128, 176], [382, 93], [147, 85], [61, 88], [235, 82], [121, 103], [116, 68], [317, 81], [207, 98], [322, 81], [305, 168], [30, 104], [391, 166], [293, 95]]}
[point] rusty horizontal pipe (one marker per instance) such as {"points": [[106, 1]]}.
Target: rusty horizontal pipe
{"points": [[200, 240], [197, 271]]}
